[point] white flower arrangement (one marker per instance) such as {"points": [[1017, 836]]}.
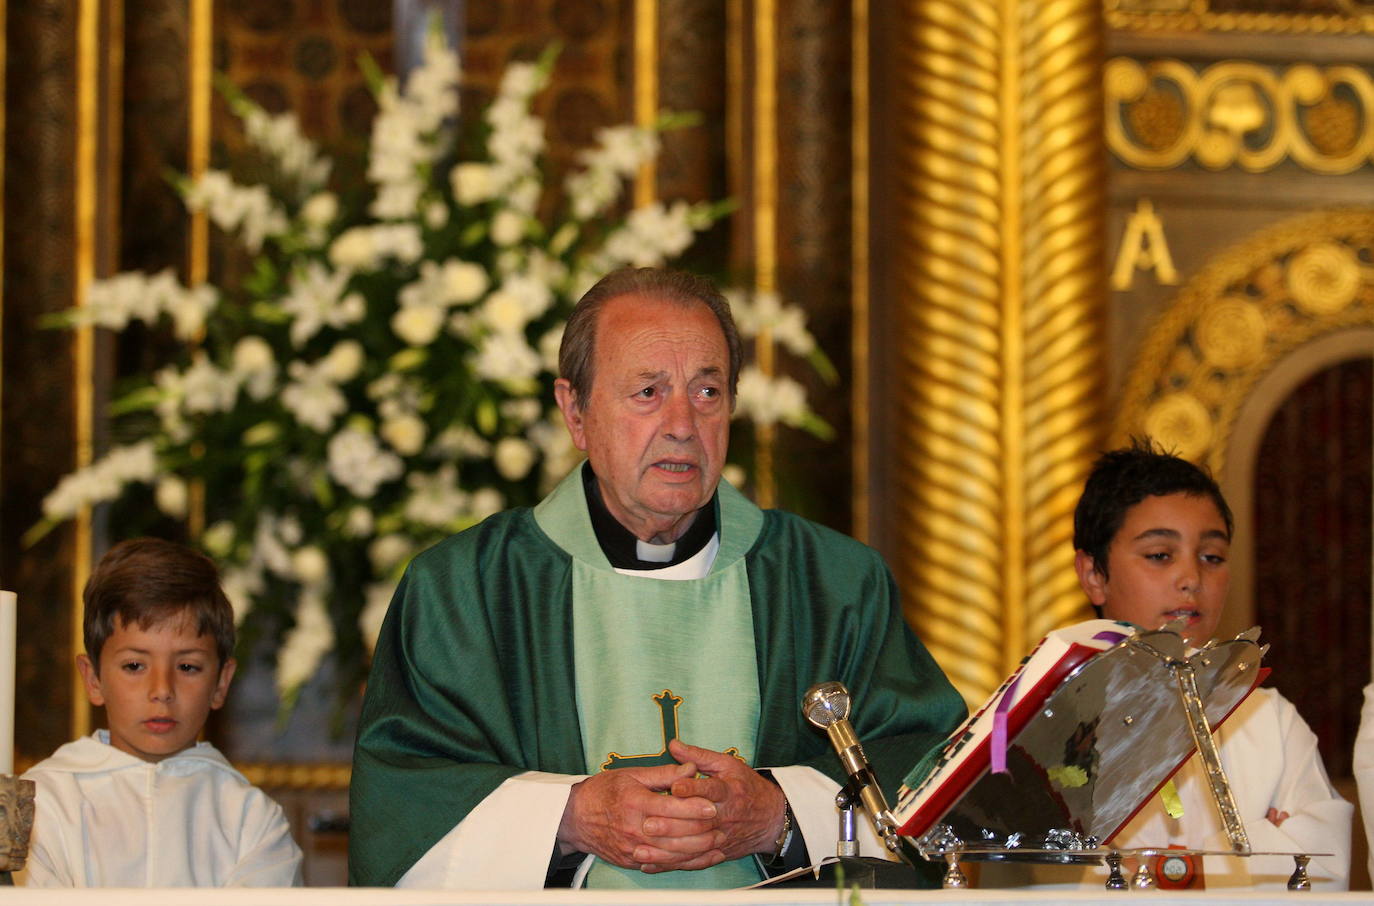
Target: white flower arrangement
{"points": [[383, 378]]}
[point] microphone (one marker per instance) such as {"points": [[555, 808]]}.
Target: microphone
{"points": [[827, 706]]}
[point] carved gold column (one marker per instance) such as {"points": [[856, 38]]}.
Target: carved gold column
{"points": [[1001, 320]]}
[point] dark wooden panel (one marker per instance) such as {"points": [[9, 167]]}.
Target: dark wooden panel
{"points": [[37, 440], [814, 202], [1312, 551]]}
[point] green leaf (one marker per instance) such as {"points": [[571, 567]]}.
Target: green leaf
{"points": [[237, 100], [409, 359], [473, 233], [261, 433], [669, 120], [140, 400], [816, 426], [324, 491], [824, 367], [486, 417], [372, 73], [38, 532]]}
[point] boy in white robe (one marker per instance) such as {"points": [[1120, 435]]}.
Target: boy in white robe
{"points": [[143, 804], [1152, 535]]}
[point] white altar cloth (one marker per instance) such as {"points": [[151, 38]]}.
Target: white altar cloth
{"points": [[331, 896]]}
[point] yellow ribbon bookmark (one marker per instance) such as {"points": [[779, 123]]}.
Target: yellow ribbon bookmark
{"points": [[1168, 794]]}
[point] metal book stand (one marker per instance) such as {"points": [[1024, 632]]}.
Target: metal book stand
{"points": [[1103, 742]]}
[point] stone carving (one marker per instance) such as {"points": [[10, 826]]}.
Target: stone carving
{"points": [[16, 823]]}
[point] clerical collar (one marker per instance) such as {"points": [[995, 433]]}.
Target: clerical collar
{"points": [[625, 551]]}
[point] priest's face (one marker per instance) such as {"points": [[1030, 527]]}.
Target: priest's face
{"points": [[656, 424]]}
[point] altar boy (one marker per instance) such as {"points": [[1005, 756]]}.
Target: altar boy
{"points": [[142, 803], [1152, 538]]}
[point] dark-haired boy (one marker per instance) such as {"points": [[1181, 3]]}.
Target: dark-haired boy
{"points": [[1152, 535], [143, 804]]}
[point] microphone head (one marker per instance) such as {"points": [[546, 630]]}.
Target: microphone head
{"points": [[826, 703]]}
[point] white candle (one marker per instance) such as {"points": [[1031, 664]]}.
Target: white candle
{"points": [[9, 610]]}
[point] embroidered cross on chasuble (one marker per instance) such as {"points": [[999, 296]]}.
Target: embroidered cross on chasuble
{"points": [[683, 665]]}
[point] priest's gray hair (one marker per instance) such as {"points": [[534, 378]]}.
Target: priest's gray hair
{"points": [[577, 353]]}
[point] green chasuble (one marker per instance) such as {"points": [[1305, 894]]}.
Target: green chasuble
{"points": [[473, 678], [642, 681]]}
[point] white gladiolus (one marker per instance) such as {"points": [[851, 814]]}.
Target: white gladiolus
{"points": [[460, 440], [473, 183], [316, 300], [436, 215], [171, 496], [355, 249], [397, 200], [418, 325], [218, 539], [485, 502], [240, 586], [768, 401], [310, 565], [249, 211], [359, 523], [320, 209], [507, 227], [521, 80], [549, 345], [205, 388], [358, 463], [102, 480], [525, 411], [405, 433], [254, 366], [435, 499], [503, 312], [305, 645], [766, 311], [465, 281], [377, 602], [513, 457], [506, 356], [189, 309], [312, 397], [534, 294], [381, 375], [344, 361], [253, 354], [134, 296], [280, 137], [388, 552], [400, 241]]}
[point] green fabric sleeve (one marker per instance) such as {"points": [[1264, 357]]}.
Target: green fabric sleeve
{"points": [[471, 683], [827, 608]]}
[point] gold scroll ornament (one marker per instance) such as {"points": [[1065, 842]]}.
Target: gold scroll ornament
{"points": [[1162, 114]]}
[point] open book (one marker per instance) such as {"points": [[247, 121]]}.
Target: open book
{"points": [[1076, 740]]}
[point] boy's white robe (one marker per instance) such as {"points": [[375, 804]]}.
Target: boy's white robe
{"points": [[104, 818]]}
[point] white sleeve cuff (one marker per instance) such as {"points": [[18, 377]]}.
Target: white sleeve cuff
{"points": [[812, 797], [504, 843]]}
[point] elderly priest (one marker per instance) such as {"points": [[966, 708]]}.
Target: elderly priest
{"points": [[605, 689]]}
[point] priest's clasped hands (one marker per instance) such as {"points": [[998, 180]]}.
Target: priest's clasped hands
{"points": [[716, 808]]}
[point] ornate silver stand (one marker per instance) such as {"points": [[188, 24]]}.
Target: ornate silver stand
{"points": [[1106, 738]]}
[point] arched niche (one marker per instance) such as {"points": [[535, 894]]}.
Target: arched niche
{"points": [[1253, 419]]}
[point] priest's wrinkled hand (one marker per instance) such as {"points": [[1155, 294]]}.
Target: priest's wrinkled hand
{"points": [[750, 806], [624, 817]]}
